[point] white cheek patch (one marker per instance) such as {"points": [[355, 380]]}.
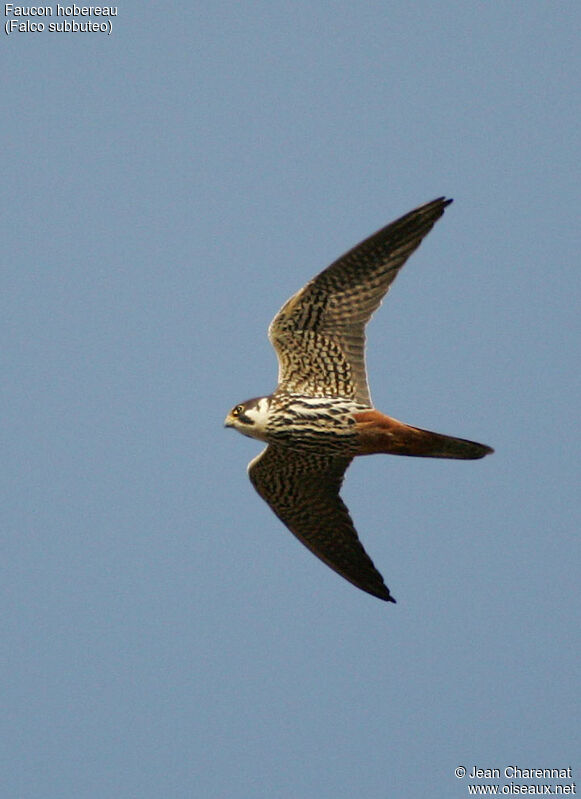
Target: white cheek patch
{"points": [[259, 414]]}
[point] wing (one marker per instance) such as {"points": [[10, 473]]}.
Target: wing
{"points": [[303, 490], [319, 334]]}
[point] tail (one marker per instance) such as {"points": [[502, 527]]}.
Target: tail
{"points": [[378, 433]]}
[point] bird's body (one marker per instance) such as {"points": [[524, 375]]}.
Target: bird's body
{"points": [[321, 416], [324, 424]]}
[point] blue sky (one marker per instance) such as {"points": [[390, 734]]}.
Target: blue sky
{"points": [[165, 189]]}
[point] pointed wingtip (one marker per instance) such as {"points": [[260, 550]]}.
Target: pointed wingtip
{"points": [[444, 202], [387, 598], [484, 450], [433, 209], [383, 593]]}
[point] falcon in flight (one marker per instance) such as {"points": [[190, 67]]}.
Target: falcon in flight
{"points": [[320, 415]]}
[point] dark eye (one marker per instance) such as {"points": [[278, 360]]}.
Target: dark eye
{"points": [[237, 410]]}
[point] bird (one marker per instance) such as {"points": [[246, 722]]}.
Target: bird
{"points": [[320, 416]]}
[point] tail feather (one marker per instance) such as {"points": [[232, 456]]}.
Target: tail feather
{"points": [[382, 434]]}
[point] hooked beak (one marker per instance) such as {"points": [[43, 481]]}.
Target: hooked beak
{"points": [[228, 421]]}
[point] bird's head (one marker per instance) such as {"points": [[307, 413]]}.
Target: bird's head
{"points": [[250, 418]]}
